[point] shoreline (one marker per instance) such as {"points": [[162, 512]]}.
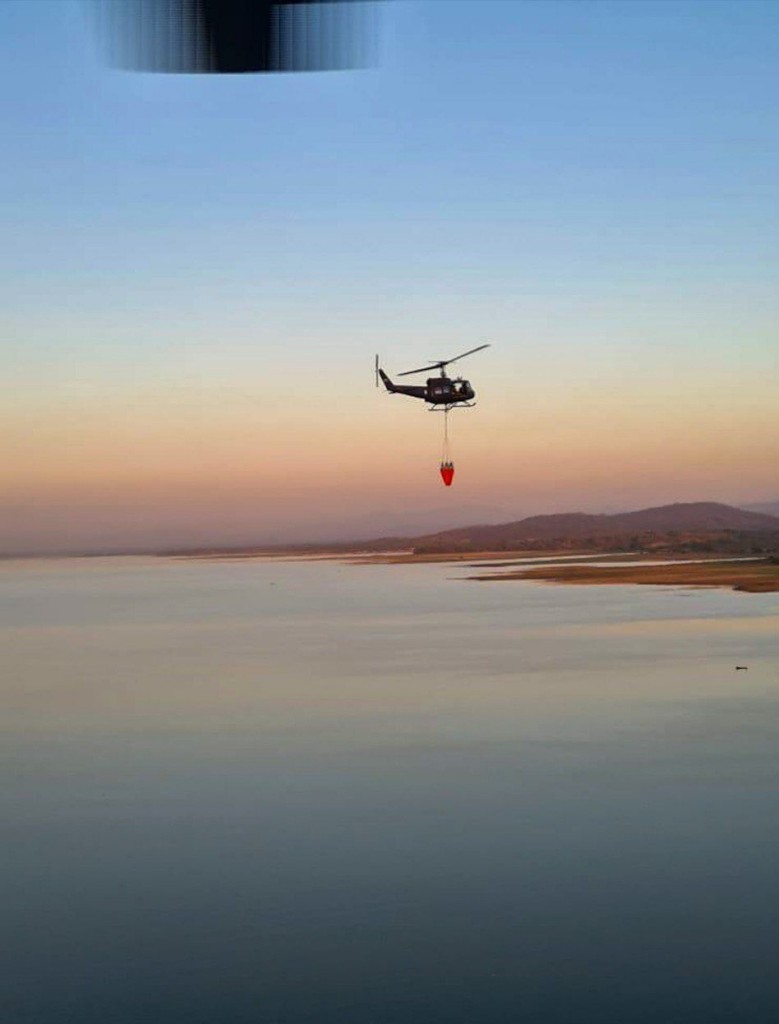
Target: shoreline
{"points": [[758, 576], [507, 559], [748, 574]]}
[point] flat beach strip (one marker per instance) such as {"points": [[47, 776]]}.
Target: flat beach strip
{"points": [[761, 576]]}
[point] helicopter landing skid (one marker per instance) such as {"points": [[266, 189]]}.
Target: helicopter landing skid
{"points": [[454, 405]]}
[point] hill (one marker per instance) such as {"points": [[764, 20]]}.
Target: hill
{"points": [[694, 526]]}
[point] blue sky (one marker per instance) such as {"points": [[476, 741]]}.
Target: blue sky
{"points": [[590, 186], [561, 150]]}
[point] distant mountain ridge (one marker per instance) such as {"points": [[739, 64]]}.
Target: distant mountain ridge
{"points": [[688, 521], [692, 526]]}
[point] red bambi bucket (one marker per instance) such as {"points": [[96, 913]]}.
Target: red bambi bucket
{"points": [[447, 473]]}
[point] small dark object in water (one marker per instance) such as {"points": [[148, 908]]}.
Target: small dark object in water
{"points": [[742, 668]]}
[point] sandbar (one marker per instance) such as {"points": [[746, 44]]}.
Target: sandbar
{"points": [[754, 576]]}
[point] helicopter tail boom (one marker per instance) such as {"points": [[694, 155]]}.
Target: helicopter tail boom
{"points": [[386, 381], [400, 389]]}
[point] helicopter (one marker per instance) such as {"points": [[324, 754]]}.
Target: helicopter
{"points": [[441, 393]]}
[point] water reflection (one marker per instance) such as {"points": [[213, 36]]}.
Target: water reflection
{"points": [[370, 793]]}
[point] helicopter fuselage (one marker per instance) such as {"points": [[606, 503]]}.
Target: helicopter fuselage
{"points": [[437, 390]]}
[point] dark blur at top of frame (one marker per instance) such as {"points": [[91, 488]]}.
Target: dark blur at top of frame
{"points": [[236, 36]]}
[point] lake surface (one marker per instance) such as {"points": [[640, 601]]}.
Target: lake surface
{"points": [[266, 792]]}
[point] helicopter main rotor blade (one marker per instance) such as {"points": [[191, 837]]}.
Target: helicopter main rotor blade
{"points": [[464, 354], [445, 362], [422, 369], [234, 36]]}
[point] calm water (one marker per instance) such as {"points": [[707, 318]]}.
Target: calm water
{"points": [[249, 793]]}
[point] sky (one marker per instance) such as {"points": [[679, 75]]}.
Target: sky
{"points": [[196, 273]]}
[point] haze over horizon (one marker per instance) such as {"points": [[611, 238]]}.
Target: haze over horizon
{"points": [[393, 524], [196, 273]]}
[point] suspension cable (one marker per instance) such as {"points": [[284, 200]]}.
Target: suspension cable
{"points": [[445, 448]]}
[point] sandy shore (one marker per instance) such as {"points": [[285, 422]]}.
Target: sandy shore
{"points": [[506, 558], [759, 576]]}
